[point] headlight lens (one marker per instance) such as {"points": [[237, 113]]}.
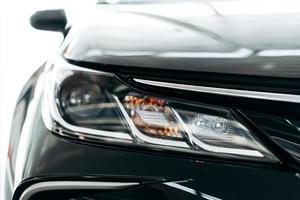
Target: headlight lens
{"points": [[91, 105]]}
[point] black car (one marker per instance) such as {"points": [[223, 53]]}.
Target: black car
{"points": [[157, 100]]}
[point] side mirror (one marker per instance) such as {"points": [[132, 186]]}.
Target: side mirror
{"points": [[49, 20]]}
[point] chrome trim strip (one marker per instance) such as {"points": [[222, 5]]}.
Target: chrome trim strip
{"points": [[73, 185], [225, 91]]}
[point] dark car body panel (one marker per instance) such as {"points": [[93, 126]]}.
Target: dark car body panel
{"points": [[212, 50], [48, 155], [208, 41]]}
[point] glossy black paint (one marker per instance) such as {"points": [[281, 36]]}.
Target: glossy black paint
{"points": [[246, 82], [38, 155], [284, 131], [202, 37], [49, 20]]}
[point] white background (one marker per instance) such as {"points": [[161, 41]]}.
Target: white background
{"points": [[22, 50]]}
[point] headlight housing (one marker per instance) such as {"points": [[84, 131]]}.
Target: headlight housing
{"points": [[93, 105]]}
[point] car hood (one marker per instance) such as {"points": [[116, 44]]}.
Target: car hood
{"points": [[235, 37]]}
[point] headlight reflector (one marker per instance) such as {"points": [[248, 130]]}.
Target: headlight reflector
{"points": [[93, 105]]}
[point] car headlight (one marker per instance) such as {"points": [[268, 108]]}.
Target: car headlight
{"points": [[93, 105]]}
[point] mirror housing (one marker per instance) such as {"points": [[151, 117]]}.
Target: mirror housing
{"points": [[49, 20]]}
